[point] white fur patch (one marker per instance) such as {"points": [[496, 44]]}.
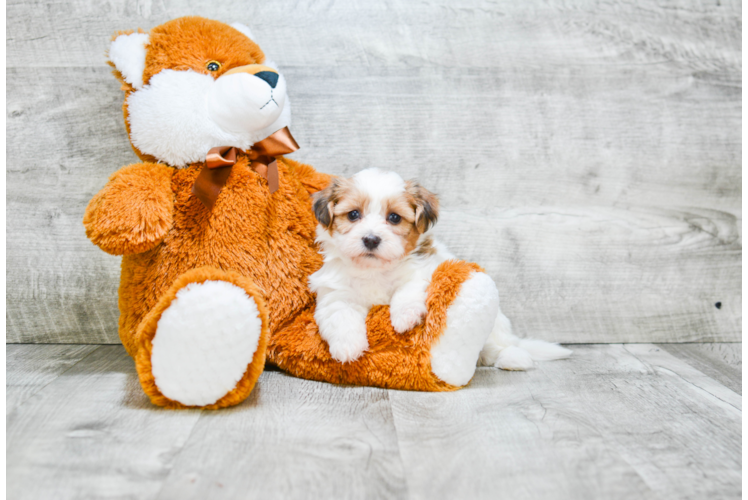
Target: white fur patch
{"points": [[506, 351], [127, 52], [171, 119], [240, 102], [514, 358], [342, 325], [470, 319], [204, 342]]}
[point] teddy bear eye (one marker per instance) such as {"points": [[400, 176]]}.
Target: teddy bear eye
{"points": [[213, 66], [393, 218], [353, 215]]}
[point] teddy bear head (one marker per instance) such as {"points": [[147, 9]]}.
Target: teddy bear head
{"points": [[193, 84]]}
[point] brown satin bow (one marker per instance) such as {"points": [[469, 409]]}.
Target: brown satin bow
{"points": [[219, 161]]}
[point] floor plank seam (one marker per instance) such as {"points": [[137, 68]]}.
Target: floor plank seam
{"points": [[691, 384], [41, 388], [399, 448], [176, 456]]}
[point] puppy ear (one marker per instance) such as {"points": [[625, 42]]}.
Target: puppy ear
{"points": [[427, 206], [127, 55], [324, 204]]}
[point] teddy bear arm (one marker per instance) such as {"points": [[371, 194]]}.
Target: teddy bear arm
{"points": [[133, 212]]}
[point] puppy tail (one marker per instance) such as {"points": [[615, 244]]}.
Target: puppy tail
{"points": [[541, 350], [505, 350]]}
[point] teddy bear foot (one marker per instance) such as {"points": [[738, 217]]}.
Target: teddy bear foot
{"points": [[470, 319], [205, 349]]}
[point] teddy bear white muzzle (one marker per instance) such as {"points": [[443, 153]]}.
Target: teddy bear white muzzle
{"points": [[241, 101]]}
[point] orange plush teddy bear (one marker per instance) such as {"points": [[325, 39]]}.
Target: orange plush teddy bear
{"points": [[216, 230]]}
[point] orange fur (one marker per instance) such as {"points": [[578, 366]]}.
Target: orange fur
{"points": [[147, 331], [192, 42], [133, 212], [267, 238], [260, 242], [394, 361]]}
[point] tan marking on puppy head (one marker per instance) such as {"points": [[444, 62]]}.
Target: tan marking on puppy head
{"points": [[194, 42], [425, 247], [426, 205], [333, 203], [403, 205], [419, 208]]}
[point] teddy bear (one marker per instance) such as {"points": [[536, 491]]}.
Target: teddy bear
{"points": [[217, 235]]}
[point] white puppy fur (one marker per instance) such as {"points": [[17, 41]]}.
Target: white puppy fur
{"points": [[374, 234]]}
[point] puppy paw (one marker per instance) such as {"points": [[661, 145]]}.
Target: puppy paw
{"points": [[406, 316], [345, 334], [347, 350], [514, 359]]}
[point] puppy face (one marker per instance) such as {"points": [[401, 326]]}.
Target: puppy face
{"points": [[375, 218]]}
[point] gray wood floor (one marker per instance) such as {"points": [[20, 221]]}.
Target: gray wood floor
{"points": [[614, 421]]}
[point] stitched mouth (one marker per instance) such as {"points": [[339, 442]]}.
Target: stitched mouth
{"points": [[272, 99]]}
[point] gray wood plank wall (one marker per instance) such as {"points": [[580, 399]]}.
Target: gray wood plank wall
{"points": [[588, 154]]}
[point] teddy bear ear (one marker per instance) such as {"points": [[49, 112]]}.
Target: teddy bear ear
{"points": [[244, 29], [127, 54]]}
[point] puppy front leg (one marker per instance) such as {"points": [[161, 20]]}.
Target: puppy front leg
{"points": [[342, 324], [408, 305]]}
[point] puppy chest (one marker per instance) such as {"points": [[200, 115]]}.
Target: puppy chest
{"points": [[373, 290]]}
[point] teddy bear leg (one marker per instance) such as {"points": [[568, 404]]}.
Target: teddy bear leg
{"points": [[469, 321], [438, 355], [204, 343]]}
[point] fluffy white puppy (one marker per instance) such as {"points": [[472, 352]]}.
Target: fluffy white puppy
{"points": [[374, 234]]}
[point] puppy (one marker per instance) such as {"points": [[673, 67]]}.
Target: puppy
{"points": [[374, 234]]}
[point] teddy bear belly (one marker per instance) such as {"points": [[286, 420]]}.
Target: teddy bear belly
{"points": [[271, 244]]}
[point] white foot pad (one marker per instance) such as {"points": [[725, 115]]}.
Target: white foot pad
{"points": [[204, 341], [470, 319]]}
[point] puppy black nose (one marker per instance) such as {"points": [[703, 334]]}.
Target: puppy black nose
{"points": [[371, 242], [268, 76]]}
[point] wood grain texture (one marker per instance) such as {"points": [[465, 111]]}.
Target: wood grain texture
{"points": [[744, 369], [591, 273], [722, 362], [29, 369], [587, 153], [613, 421], [92, 433], [293, 439]]}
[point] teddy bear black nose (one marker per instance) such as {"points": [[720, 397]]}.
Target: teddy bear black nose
{"points": [[371, 242], [268, 76]]}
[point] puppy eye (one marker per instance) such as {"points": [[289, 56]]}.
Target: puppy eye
{"points": [[393, 218], [353, 215], [213, 66]]}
